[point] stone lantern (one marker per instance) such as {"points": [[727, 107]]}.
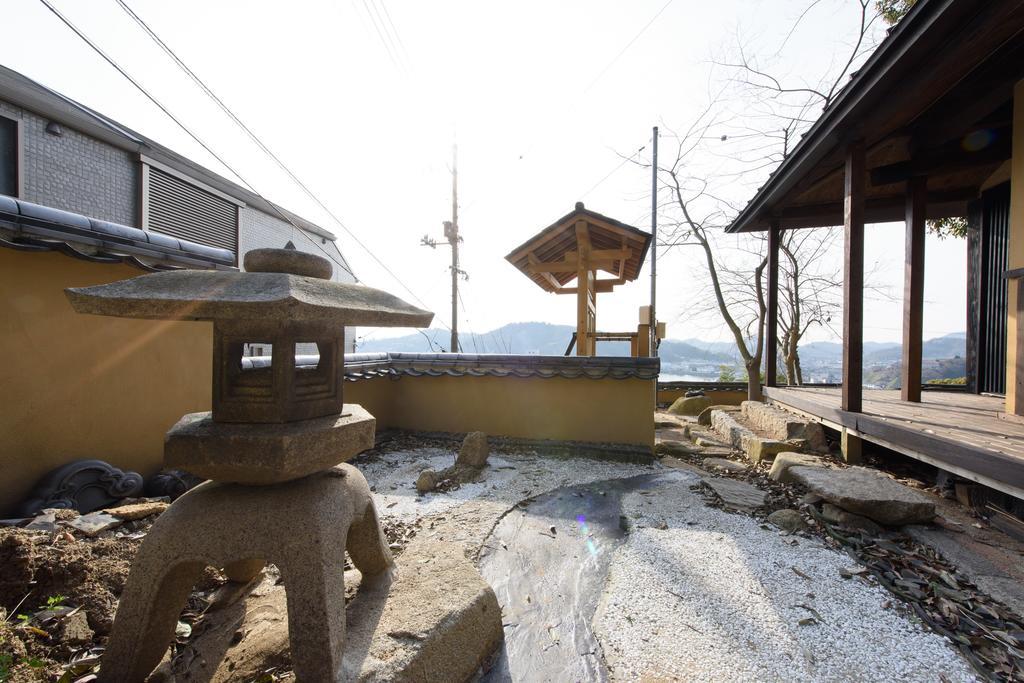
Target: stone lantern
{"points": [[273, 448]]}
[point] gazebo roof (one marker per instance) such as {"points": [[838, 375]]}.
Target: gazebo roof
{"points": [[558, 243]]}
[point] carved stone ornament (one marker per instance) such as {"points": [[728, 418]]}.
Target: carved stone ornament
{"points": [[82, 485]]}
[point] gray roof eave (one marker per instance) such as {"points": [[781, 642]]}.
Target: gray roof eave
{"points": [[828, 130], [26, 93]]}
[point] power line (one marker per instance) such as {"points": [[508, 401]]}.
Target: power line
{"points": [[171, 116], [385, 38], [472, 335], [166, 48], [241, 124], [394, 31], [612, 172], [627, 46]]}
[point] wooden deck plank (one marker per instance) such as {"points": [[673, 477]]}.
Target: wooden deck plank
{"points": [[957, 431]]}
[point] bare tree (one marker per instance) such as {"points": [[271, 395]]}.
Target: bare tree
{"points": [[758, 135]]}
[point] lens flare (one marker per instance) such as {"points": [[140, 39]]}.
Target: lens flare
{"points": [[591, 546], [977, 140]]}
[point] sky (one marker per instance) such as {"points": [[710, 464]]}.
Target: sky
{"points": [[363, 100]]}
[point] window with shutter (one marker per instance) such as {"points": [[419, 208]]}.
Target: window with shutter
{"points": [[182, 210], [8, 157]]}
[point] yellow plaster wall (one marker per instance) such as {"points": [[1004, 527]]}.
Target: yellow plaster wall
{"points": [[1015, 393], [81, 386], [616, 411]]}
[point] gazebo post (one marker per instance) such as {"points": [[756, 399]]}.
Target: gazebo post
{"points": [[586, 297]]}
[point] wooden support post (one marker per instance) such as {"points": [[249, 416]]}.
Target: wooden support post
{"points": [[913, 288], [853, 280], [852, 448], [771, 345], [586, 294]]}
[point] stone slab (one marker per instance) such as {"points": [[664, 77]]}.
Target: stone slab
{"points": [[725, 425], [782, 425], [785, 460], [866, 492], [437, 622], [763, 450], [705, 415], [725, 465], [267, 453], [737, 494]]}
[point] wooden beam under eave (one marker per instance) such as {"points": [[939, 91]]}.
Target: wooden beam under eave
{"points": [[599, 287], [771, 346], [913, 289], [571, 266], [853, 279]]}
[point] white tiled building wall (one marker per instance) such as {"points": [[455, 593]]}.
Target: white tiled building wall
{"points": [[257, 230]]}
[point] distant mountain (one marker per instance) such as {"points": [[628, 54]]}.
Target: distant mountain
{"points": [[533, 338], [551, 340]]}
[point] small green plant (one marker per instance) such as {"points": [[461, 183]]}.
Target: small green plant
{"points": [[54, 601], [23, 618]]}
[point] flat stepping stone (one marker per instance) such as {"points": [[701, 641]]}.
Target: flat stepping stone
{"points": [[866, 492], [725, 465], [676, 448], [708, 442], [737, 494], [681, 435], [716, 452], [789, 459]]}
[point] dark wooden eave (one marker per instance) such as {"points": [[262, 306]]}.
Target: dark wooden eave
{"points": [[933, 100]]}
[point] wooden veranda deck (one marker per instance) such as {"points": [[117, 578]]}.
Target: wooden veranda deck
{"points": [[958, 432]]}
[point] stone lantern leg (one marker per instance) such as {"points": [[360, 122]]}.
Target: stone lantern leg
{"points": [[273, 448]]}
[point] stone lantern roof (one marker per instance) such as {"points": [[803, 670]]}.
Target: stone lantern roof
{"points": [[294, 291]]}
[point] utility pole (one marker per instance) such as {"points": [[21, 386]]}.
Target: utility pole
{"points": [[451, 235], [654, 244]]}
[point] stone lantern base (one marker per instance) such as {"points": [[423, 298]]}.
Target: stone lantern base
{"points": [[303, 526], [268, 453]]}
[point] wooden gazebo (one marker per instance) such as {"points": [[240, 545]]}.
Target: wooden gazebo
{"points": [[576, 246]]}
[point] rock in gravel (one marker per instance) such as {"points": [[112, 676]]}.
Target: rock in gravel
{"points": [[427, 481], [474, 450], [689, 405], [783, 461], [725, 465], [866, 492], [94, 523], [788, 520], [738, 495], [837, 515]]}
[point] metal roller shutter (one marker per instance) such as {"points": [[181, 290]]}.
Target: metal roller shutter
{"points": [[179, 209]]}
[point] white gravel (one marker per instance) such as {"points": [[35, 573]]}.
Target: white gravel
{"points": [[714, 597], [507, 478]]}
